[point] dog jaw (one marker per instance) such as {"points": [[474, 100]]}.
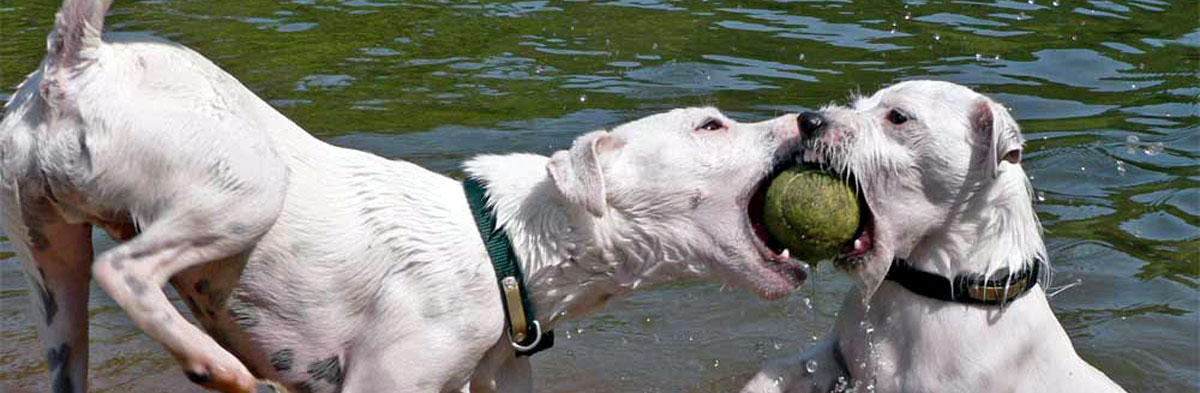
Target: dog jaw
{"points": [[661, 199], [704, 171], [919, 168]]}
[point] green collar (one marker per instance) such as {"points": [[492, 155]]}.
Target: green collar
{"points": [[525, 332]]}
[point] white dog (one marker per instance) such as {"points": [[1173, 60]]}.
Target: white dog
{"points": [[331, 269], [939, 167]]}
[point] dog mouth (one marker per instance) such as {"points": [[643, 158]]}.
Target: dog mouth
{"points": [[776, 258], [863, 241]]}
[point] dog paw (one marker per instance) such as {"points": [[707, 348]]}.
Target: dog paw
{"points": [[233, 378]]}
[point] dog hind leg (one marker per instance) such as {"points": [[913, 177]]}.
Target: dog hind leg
{"points": [[54, 255], [134, 273]]}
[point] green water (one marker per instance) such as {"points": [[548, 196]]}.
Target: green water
{"points": [[1106, 92]]}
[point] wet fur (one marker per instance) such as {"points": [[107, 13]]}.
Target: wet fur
{"points": [[949, 195], [330, 269]]}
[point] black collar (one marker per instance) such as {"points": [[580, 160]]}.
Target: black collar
{"points": [[524, 331], [968, 288]]}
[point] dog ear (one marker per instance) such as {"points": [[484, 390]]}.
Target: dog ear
{"points": [[577, 172], [993, 123]]}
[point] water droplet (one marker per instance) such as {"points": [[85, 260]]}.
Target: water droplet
{"points": [[777, 346], [1054, 3], [1083, 169], [1030, 2], [937, 37], [801, 57], [583, 98], [1154, 148], [808, 303], [997, 58], [1041, 196], [716, 363], [907, 16], [1074, 38], [1132, 142], [978, 57], [1121, 167], [810, 366]]}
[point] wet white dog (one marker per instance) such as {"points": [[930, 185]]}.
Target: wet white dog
{"points": [[939, 167], [332, 269]]}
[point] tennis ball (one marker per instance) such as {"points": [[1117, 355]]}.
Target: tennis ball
{"points": [[811, 212]]}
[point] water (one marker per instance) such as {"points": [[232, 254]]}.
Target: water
{"points": [[1106, 92]]}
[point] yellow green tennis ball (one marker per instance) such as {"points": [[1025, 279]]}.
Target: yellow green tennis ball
{"points": [[812, 213]]}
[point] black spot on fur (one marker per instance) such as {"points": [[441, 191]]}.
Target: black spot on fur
{"points": [[201, 286], [205, 240], [49, 306], [139, 254], [242, 314], [57, 357], [282, 359], [267, 387], [308, 386], [200, 378], [238, 228], [329, 370], [136, 285], [62, 383]]}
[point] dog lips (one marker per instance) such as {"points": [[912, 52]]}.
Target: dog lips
{"points": [[812, 213]]}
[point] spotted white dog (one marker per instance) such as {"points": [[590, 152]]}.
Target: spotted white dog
{"points": [[332, 269], [939, 168]]}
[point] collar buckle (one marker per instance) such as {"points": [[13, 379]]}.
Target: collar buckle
{"points": [[524, 331]]}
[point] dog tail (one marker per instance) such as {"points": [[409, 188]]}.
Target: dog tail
{"points": [[76, 32]]}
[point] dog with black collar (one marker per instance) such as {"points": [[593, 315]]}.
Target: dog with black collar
{"points": [[950, 264]]}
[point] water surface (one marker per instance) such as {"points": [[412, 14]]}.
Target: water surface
{"points": [[1106, 92]]}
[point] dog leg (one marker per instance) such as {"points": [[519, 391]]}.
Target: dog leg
{"points": [[134, 273], [54, 255]]}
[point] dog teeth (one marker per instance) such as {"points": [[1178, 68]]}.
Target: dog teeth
{"points": [[786, 253], [857, 244]]}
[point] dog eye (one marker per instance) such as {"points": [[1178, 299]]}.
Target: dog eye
{"points": [[897, 117], [712, 125]]}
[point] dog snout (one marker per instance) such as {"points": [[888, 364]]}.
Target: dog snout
{"points": [[811, 124]]}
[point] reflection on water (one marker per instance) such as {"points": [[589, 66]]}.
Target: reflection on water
{"points": [[1106, 92]]}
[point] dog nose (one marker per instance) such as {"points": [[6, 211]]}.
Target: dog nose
{"points": [[811, 123]]}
